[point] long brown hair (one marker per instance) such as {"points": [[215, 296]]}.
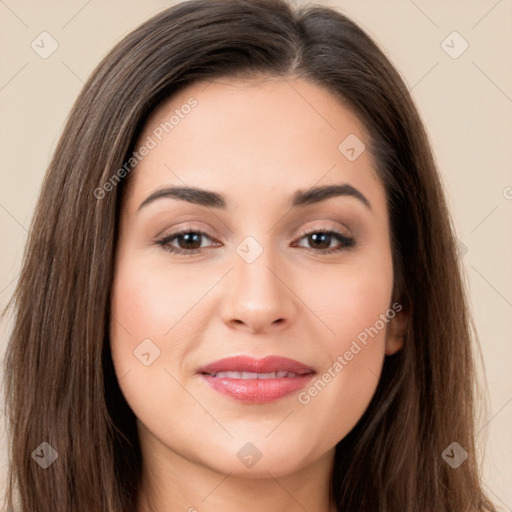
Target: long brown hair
{"points": [[60, 386]]}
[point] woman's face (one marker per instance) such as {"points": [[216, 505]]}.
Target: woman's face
{"points": [[263, 280]]}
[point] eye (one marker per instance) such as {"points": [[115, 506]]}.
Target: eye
{"points": [[188, 240], [321, 240]]}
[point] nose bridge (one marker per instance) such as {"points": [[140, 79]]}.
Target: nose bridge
{"points": [[257, 295]]}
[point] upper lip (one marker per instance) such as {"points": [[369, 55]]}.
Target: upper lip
{"points": [[249, 364]]}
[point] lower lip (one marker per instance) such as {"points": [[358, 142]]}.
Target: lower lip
{"points": [[256, 391]]}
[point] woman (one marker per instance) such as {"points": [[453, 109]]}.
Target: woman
{"points": [[310, 350]]}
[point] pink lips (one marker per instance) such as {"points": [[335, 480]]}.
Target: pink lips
{"points": [[259, 388]]}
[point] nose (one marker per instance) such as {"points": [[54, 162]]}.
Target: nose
{"points": [[259, 298]]}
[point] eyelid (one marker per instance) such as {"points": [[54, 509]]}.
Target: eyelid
{"points": [[186, 228], [331, 227], [304, 231]]}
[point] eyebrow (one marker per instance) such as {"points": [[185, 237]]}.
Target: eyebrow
{"points": [[216, 200]]}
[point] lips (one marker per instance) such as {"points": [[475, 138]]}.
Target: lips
{"points": [[247, 364], [256, 380], [255, 375]]}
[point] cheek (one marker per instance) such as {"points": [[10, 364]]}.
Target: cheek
{"points": [[353, 305], [350, 300], [150, 306], [149, 300]]}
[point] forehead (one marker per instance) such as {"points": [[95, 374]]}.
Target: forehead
{"points": [[262, 137]]}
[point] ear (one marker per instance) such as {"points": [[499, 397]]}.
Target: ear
{"points": [[395, 333]]}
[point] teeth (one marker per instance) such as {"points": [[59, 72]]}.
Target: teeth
{"points": [[252, 375]]}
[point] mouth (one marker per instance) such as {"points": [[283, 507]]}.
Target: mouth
{"points": [[255, 381], [253, 375]]}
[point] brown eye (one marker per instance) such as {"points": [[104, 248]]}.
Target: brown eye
{"points": [[190, 240], [185, 242], [321, 240]]}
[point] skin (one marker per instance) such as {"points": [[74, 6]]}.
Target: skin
{"points": [[256, 142]]}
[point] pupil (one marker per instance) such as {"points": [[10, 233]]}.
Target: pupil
{"points": [[325, 236], [189, 238]]}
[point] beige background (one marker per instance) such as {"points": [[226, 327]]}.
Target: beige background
{"points": [[466, 103]]}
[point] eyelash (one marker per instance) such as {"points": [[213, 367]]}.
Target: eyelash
{"points": [[164, 242]]}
